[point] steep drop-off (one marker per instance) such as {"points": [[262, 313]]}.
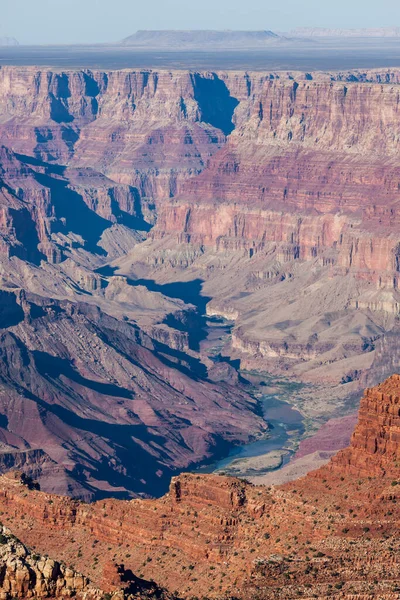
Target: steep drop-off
{"points": [[274, 196]]}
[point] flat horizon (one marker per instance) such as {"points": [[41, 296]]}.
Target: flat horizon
{"points": [[306, 58]]}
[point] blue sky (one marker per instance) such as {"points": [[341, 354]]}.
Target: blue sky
{"points": [[74, 21]]}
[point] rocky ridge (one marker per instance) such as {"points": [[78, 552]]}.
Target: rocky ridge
{"points": [[26, 575], [374, 446], [332, 533]]}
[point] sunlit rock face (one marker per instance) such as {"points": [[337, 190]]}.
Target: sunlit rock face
{"points": [[274, 196], [375, 448], [338, 522]]}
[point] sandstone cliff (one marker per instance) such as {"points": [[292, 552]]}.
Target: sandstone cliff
{"points": [[375, 445]]}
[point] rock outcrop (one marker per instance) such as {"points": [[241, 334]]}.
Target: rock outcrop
{"points": [[331, 533], [375, 444], [26, 575]]}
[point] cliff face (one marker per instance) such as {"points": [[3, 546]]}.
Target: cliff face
{"points": [[375, 447], [132, 125], [300, 144], [42, 204], [274, 194], [331, 533], [305, 149], [142, 128]]}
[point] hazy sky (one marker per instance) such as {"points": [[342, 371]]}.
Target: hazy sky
{"points": [[70, 21]]}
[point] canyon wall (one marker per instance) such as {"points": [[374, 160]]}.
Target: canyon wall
{"points": [[374, 446], [297, 143], [274, 194]]}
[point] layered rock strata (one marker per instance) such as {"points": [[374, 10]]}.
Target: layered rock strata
{"points": [[332, 533], [375, 447], [274, 194]]}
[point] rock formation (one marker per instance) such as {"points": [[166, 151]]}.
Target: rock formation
{"points": [[375, 444], [26, 575], [331, 533]]}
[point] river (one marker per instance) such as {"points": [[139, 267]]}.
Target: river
{"points": [[285, 423]]}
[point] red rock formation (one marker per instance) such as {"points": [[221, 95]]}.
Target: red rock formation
{"points": [[331, 533], [26, 575], [375, 443]]}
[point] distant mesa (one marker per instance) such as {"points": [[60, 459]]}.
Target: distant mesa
{"points": [[377, 32], [8, 41], [201, 39]]}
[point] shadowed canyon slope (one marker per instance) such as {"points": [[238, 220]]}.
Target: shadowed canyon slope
{"points": [[332, 533], [134, 201], [92, 403]]}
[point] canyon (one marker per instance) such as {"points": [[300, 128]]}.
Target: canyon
{"points": [[135, 205], [332, 533]]}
